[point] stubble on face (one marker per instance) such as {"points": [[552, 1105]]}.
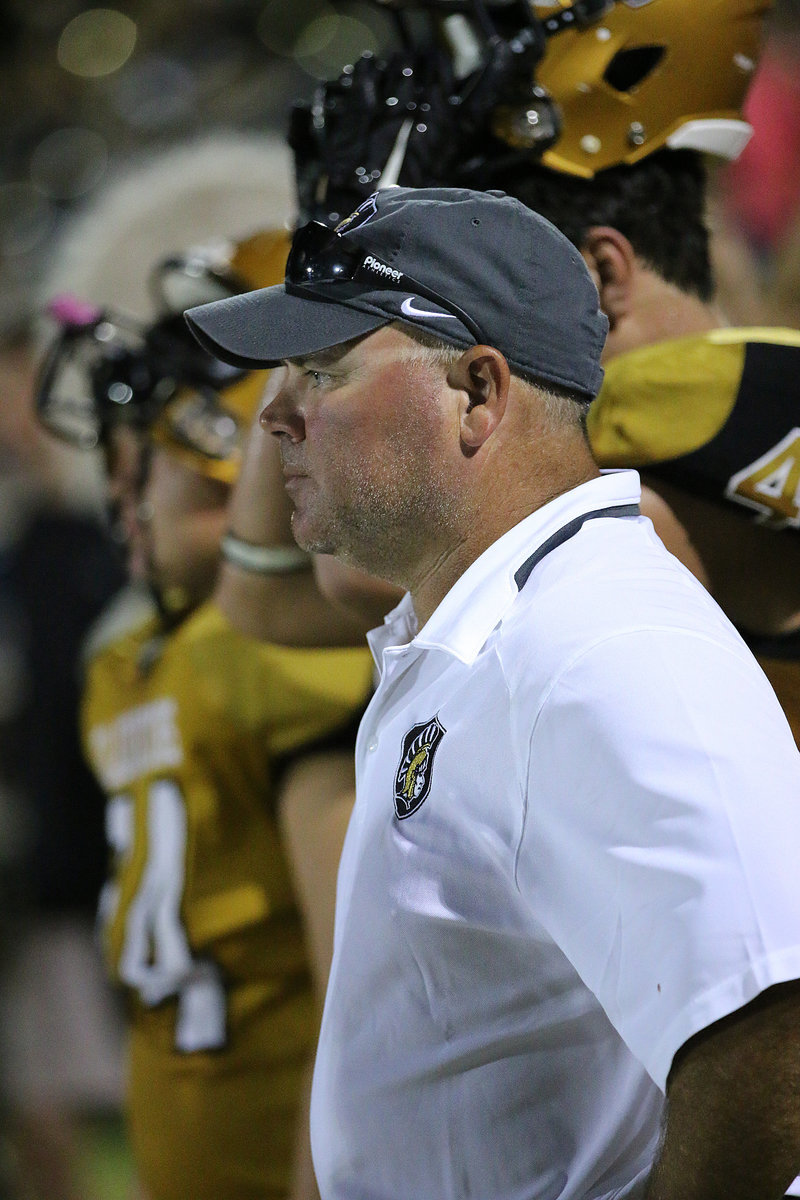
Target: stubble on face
{"points": [[387, 498]]}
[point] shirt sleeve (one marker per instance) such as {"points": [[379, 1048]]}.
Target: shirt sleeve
{"points": [[662, 831]]}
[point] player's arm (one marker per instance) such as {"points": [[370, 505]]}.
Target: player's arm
{"points": [[733, 1107], [277, 603], [315, 802], [314, 807]]}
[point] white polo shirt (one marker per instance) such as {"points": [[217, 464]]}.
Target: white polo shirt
{"points": [[574, 845]]}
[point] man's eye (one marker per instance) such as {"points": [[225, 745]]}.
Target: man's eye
{"points": [[317, 377]]}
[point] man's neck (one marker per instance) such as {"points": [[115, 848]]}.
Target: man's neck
{"points": [[660, 312], [489, 522]]}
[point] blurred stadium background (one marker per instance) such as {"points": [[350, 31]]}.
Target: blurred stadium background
{"points": [[87, 90]]}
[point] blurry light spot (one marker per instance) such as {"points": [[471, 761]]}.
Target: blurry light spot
{"points": [[225, 427], [328, 42], [96, 43], [280, 24], [590, 144], [316, 37], [69, 162], [120, 393], [104, 332], [377, 20], [26, 218], [154, 92]]}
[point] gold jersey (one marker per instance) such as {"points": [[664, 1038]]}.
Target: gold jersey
{"points": [[186, 731], [716, 414]]}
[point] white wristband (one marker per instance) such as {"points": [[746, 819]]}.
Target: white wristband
{"points": [[263, 560]]}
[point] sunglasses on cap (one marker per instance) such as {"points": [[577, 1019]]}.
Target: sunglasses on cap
{"points": [[321, 256]]}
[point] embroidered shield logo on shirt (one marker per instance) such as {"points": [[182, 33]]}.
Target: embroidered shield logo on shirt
{"points": [[412, 781]]}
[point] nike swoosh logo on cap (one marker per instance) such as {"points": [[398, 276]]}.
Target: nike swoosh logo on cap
{"points": [[407, 307]]}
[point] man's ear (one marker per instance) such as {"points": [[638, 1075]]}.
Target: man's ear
{"points": [[611, 260], [483, 377]]}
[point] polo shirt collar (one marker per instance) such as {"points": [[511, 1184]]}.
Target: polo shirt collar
{"points": [[481, 597]]}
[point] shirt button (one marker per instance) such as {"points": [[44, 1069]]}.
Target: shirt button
{"points": [[372, 746]]}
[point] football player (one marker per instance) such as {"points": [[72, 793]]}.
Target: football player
{"points": [[212, 749]]}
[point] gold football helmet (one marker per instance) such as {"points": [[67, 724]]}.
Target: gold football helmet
{"points": [[577, 85], [644, 75]]}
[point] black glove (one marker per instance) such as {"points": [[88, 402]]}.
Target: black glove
{"points": [[406, 120]]}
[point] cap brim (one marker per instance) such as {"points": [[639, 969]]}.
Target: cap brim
{"points": [[262, 328]]}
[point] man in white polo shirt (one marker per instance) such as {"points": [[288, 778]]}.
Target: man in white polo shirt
{"points": [[568, 918]]}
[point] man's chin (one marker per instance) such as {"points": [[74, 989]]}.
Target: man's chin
{"points": [[313, 541]]}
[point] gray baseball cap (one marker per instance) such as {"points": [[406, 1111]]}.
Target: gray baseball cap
{"points": [[468, 267]]}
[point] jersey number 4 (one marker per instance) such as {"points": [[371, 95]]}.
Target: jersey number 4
{"points": [[155, 957], [771, 484]]}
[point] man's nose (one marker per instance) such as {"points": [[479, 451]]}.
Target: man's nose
{"points": [[281, 413]]}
